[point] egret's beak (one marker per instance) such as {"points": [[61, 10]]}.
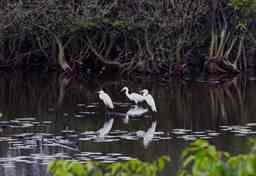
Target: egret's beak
{"points": [[122, 89], [98, 92]]}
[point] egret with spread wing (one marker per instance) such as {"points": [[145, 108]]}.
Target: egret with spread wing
{"points": [[149, 100]]}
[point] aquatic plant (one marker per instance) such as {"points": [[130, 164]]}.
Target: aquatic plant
{"points": [[133, 167]]}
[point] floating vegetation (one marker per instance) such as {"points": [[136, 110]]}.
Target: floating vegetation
{"points": [[251, 124], [213, 134], [82, 105], [187, 137]]}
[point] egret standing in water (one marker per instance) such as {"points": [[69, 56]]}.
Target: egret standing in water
{"points": [[149, 100], [134, 97], [105, 98]]}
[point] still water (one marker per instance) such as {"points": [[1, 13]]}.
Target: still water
{"points": [[44, 117]]}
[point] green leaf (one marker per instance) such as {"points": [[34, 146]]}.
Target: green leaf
{"points": [[77, 169], [188, 160]]}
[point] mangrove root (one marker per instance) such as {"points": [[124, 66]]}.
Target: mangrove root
{"points": [[220, 66]]}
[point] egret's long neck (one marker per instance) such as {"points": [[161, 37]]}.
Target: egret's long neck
{"points": [[127, 92]]}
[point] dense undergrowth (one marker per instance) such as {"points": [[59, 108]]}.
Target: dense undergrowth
{"points": [[171, 37], [199, 159]]}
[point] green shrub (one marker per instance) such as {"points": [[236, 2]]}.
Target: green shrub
{"points": [[203, 159], [198, 159], [133, 167]]}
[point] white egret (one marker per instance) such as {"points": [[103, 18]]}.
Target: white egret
{"points": [[149, 100], [135, 97], [106, 99], [102, 132], [135, 111]]}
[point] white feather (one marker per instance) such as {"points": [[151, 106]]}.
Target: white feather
{"points": [[106, 99], [135, 97], [149, 100]]}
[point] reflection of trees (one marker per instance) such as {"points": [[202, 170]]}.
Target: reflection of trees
{"points": [[63, 83], [194, 105], [26, 94], [21, 94], [189, 105], [227, 101]]}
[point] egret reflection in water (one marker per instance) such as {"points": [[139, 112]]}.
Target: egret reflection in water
{"points": [[148, 135], [102, 132], [134, 111]]}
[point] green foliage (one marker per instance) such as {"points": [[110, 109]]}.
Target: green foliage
{"points": [[246, 13], [205, 160], [244, 5], [199, 159], [66, 168], [133, 167]]}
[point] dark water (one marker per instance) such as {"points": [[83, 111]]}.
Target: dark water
{"points": [[44, 117]]}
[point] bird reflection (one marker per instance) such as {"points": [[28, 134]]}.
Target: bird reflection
{"points": [[135, 111], [148, 135], [102, 132]]}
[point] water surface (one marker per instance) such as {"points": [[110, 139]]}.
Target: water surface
{"points": [[44, 117]]}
